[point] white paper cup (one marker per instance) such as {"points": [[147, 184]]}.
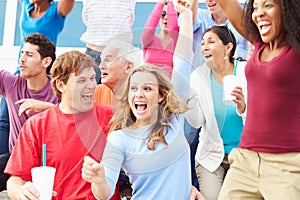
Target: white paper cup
{"points": [[43, 180], [229, 83]]}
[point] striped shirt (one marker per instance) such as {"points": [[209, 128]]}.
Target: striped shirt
{"points": [[106, 20]]}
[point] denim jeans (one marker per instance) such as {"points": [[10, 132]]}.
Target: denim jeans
{"points": [[95, 55], [4, 126], [192, 135], [3, 177]]}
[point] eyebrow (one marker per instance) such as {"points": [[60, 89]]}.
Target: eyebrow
{"points": [[26, 51], [147, 83]]}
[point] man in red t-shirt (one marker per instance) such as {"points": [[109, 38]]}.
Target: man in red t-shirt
{"points": [[71, 130]]}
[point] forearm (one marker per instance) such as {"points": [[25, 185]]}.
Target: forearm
{"points": [[65, 7], [184, 46], [235, 14], [194, 8], [172, 18], [102, 190], [151, 24]]}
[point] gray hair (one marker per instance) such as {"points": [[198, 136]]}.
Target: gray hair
{"points": [[127, 51]]}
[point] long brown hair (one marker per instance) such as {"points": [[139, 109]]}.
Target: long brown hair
{"points": [[170, 105]]}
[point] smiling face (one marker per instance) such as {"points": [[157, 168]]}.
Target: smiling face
{"points": [[144, 97], [213, 7], [213, 48], [113, 68], [78, 92], [267, 17]]}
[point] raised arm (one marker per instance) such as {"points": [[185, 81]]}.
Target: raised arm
{"points": [[183, 53], [194, 8], [235, 14], [172, 19], [185, 39], [183, 66], [151, 24], [65, 7]]}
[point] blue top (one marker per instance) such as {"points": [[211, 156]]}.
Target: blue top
{"points": [[50, 24], [154, 174], [204, 21], [230, 124]]}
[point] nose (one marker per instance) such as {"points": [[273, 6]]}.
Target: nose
{"points": [[259, 11], [139, 93], [205, 47], [22, 58], [102, 65]]}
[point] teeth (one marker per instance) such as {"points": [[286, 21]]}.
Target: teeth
{"points": [[140, 103], [87, 96], [262, 23], [140, 106]]}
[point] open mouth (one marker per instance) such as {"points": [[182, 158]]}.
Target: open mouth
{"points": [[264, 27], [207, 56], [140, 106], [104, 74], [87, 97], [211, 5]]}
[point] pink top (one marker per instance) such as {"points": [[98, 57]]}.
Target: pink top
{"points": [[154, 53], [273, 105]]}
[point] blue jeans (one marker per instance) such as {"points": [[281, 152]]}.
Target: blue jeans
{"points": [[95, 55], [3, 177], [4, 126], [192, 135]]}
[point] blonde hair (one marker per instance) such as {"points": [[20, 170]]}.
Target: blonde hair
{"points": [[170, 105], [67, 63]]}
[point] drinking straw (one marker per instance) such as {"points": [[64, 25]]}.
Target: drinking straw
{"points": [[44, 155]]}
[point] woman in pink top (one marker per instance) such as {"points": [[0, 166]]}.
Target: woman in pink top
{"points": [[159, 48]]}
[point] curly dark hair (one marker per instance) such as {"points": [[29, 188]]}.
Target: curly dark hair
{"points": [[46, 47], [290, 17]]}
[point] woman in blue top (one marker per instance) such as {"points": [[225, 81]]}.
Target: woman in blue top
{"points": [[147, 138], [222, 124]]}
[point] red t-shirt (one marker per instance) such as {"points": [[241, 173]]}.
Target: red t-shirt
{"points": [[273, 106], [68, 139]]}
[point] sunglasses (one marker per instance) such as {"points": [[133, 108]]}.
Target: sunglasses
{"points": [[163, 13]]}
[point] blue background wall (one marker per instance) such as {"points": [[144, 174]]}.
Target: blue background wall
{"points": [[2, 18], [74, 27]]}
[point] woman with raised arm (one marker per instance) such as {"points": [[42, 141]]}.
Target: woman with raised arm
{"points": [[266, 164], [158, 49], [146, 137]]}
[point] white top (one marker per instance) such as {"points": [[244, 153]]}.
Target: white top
{"points": [[106, 20], [210, 150]]}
